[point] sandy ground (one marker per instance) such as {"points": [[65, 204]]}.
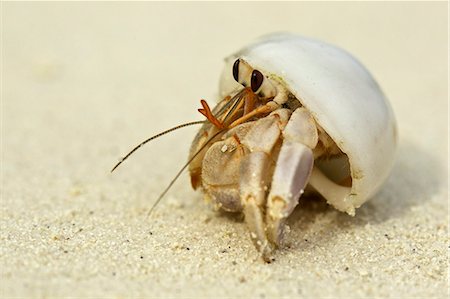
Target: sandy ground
{"points": [[82, 83]]}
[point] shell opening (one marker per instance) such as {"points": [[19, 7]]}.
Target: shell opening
{"points": [[332, 179], [336, 169]]}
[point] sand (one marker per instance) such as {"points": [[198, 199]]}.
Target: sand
{"points": [[82, 83]]}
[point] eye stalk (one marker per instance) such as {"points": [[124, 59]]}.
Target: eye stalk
{"points": [[246, 75], [242, 72]]}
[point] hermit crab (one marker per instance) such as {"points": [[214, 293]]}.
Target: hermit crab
{"points": [[297, 115]]}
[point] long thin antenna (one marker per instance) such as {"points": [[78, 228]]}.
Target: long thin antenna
{"points": [[181, 171], [156, 136]]}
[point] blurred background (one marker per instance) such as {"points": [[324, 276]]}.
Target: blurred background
{"points": [[84, 82], [122, 71]]}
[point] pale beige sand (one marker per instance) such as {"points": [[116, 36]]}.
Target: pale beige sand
{"points": [[82, 83]]}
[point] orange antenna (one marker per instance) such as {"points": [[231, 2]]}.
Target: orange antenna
{"points": [[206, 111]]}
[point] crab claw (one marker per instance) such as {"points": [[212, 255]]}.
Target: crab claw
{"points": [[292, 171], [291, 175]]}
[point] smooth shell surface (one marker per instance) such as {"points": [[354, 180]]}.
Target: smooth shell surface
{"points": [[341, 95]]}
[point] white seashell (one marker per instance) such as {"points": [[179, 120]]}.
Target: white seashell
{"points": [[344, 100]]}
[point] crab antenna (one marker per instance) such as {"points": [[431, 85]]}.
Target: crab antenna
{"points": [[180, 171], [156, 136]]}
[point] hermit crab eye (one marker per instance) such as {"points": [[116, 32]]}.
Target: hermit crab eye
{"points": [[256, 80], [236, 70]]}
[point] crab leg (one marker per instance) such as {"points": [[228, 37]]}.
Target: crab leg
{"points": [[255, 175], [292, 171], [252, 185], [269, 107]]}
